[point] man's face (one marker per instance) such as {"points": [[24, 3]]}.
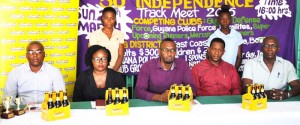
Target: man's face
{"points": [[35, 55], [270, 48], [216, 51], [167, 52]]}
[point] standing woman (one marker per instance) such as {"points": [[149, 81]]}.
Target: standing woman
{"points": [[233, 39], [91, 84], [110, 38]]}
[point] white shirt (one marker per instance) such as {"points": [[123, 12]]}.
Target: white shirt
{"points": [[31, 86], [282, 73], [99, 38], [232, 42]]}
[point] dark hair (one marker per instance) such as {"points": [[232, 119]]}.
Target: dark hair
{"points": [[109, 9], [224, 9], [270, 37], [218, 40], [167, 39], [35, 42], [89, 55]]}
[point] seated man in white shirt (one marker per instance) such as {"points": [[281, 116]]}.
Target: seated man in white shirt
{"points": [[31, 80], [276, 73]]}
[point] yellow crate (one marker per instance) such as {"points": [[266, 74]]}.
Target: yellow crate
{"points": [[180, 105], [55, 113], [249, 103], [118, 109]]}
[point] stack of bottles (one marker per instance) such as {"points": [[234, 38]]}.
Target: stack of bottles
{"points": [[180, 97], [255, 98], [116, 101], [55, 106]]}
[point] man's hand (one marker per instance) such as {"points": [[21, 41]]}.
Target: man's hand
{"points": [[277, 94], [164, 96]]}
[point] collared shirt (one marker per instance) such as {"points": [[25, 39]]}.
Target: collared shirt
{"points": [[99, 38], [85, 88], [31, 86], [153, 79], [282, 73], [214, 80], [232, 42]]}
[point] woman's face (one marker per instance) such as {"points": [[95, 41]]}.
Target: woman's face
{"points": [[100, 61], [224, 20], [109, 19]]}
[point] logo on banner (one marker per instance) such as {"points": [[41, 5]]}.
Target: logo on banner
{"points": [[273, 9], [89, 19]]}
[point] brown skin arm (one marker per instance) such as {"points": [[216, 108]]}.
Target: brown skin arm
{"points": [[245, 83], [295, 85], [120, 57], [238, 58], [271, 94], [161, 97], [278, 94]]}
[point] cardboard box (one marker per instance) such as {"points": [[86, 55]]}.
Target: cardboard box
{"points": [[119, 108], [248, 101], [180, 104]]}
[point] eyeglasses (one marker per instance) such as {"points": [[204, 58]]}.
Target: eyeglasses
{"points": [[98, 60], [168, 50], [31, 52], [273, 46]]}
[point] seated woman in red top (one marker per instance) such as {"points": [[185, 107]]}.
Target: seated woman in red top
{"points": [[213, 76], [92, 83]]}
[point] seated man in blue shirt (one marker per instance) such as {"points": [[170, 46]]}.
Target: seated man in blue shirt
{"points": [[274, 72], [31, 80]]}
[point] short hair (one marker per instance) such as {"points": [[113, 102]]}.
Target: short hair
{"points": [[224, 9], [89, 55], [109, 9], [35, 42], [272, 38], [217, 40], [167, 39]]}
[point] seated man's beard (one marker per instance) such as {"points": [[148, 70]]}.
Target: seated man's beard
{"points": [[169, 62]]}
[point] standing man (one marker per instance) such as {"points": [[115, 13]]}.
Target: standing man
{"points": [[215, 77], [276, 73], [157, 75], [31, 80]]}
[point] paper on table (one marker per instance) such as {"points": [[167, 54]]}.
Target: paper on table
{"points": [[93, 104], [195, 102], [35, 107], [98, 104]]}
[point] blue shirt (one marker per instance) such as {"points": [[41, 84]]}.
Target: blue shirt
{"points": [[31, 86]]}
